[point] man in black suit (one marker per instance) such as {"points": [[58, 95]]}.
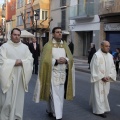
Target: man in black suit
{"points": [[35, 50]]}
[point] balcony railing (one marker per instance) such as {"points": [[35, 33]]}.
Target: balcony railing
{"points": [[79, 11]]}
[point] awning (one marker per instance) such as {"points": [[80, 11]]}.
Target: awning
{"points": [[65, 32], [36, 5], [26, 34]]}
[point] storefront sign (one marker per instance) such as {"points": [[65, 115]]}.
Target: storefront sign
{"points": [[112, 27]]}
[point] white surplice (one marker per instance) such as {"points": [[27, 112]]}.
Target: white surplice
{"points": [[14, 79], [102, 65]]}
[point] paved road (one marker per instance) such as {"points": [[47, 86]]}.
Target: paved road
{"points": [[81, 63], [79, 108]]}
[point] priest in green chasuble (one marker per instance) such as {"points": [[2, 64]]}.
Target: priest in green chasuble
{"points": [[56, 74]]}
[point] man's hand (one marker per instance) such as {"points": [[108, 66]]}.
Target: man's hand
{"points": [[105, 79], [61, 60], [108, 78], [18, 62]]}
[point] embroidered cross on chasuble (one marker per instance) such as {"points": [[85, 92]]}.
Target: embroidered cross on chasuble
{"points": [[57, 45]]}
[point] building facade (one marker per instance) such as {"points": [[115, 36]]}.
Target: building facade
{"points": [[10, 10], [21, 14], [110, 22], [60, 15], [3, 16], [2, 24], [42, 8], [0, 16], [84, 24], [29, 15]]}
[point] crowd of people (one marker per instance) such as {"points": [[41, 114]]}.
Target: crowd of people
{"points": [[56, 75]]}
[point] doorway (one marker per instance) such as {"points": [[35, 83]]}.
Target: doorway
{"points": [[87, 39], [114, 38]]}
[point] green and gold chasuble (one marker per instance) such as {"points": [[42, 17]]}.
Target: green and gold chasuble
{"points": [[45, 71]]}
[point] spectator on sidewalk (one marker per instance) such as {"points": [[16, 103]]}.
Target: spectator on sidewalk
{"points": [[91, 53], [71, 46], [35, 50], [116, 58], [15, 73], [0, 43], [102, 73]]}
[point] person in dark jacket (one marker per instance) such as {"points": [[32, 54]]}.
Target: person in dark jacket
{"points": [[91, 53], [0, 43], [71, 46], [35, 50], [116, 58]]}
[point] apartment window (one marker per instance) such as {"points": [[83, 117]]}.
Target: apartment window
{"points": [[62, 2], [20, 3], [38, 12], [63, 19], [63, 14], [44, 14], [28, 1], [19, 20], [28, 17]]}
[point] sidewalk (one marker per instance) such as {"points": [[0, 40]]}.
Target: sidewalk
{"points": [[81, 64]]}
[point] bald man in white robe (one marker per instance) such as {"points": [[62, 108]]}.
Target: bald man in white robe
{"points": [[102, 73]]}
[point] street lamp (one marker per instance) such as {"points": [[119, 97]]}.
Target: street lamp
{"points": [[36, 18]]}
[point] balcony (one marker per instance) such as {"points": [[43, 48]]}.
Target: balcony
{"points": [[88, 10], [109, 8]]}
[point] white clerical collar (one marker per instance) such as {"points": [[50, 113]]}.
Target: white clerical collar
{"points": [[54, 41], [15, 44]]}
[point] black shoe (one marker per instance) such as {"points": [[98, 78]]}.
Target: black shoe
{"points": [[59, 119], [101, 115], [36, 73], [50, 114], [107, 112]]}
